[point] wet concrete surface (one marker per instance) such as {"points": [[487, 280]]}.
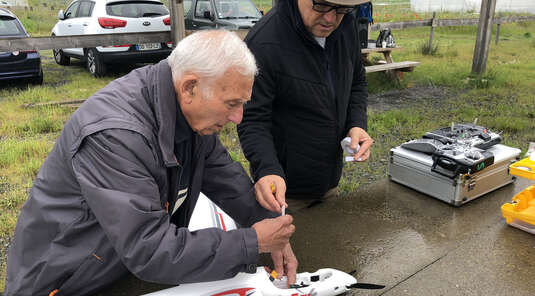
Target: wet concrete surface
{"points": [[412, 243], [417, 245]]}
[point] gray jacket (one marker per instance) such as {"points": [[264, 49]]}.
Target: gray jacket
{"points": [[97, 207]]}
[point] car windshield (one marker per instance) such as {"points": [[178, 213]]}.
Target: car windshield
{"points": [[10, 27], [136, 9], [233, 9]]}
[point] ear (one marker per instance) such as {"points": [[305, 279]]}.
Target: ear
{"points": [[187, 87]]}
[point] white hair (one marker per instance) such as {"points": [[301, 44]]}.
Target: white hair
{"points": [[210, 53]]}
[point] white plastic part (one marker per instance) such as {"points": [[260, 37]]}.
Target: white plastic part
{"points": [[523, 226], [531, 151], [346, 146], [324, 282], [206, 214]]}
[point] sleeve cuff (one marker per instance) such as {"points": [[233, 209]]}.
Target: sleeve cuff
{"points": [[269, 171], [250, 242], [353, 124]]}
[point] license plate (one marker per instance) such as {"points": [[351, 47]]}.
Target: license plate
{"points": [[149, 46]]}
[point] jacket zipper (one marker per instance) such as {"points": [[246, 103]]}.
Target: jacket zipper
{"points": [[330, 83]]}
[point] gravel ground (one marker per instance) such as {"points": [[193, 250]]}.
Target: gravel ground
{"points": [[408, 97]]}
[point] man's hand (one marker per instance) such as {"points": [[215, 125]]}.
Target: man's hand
{"points": [[270, 192], [274, 234], [285, 263], [360, 137]]}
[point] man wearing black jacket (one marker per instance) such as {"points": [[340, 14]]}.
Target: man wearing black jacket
{"points": [[310, 93]]}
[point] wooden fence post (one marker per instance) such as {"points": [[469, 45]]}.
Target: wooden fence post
{"points": [[431, 35], [178, 31], [498, 25], [497, 33], [484, 35]]}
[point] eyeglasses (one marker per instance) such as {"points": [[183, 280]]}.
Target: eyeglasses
{"points": [[324, 7]]}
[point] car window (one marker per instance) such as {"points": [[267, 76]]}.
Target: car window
{"points": [[136, 9], [86, 8], [71, 11], [187, 6], [201, 7], [10, 26], [236, 9]]}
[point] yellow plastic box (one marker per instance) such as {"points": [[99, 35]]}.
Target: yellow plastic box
{"points": [[524, 168], [520, 213]]}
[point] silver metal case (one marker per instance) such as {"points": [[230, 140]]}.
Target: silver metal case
{"points": [[413, 169]]}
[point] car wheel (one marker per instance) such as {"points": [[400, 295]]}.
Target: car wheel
{"points": [[38, 80], [61, 58], [94, 64]]}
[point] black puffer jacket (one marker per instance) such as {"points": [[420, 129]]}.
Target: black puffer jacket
{"points": [[305, 99]]}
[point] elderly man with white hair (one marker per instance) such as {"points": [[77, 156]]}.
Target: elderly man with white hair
{"points": [[117, 191]]}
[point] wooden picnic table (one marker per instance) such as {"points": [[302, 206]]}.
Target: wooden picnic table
{"points": [[394, 69]]}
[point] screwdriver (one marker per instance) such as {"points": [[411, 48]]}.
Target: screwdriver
{"points": [[283, 212]]}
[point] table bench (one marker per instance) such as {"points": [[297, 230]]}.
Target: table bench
{"points": [[394, 69]]}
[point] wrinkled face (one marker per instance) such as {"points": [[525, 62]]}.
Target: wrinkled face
{"points": [[317, 23], [208, 111]]}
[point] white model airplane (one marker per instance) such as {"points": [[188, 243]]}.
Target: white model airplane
{"points": [[324, 282]]}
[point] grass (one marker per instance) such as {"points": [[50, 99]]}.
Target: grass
{"points": [[503, 99]]}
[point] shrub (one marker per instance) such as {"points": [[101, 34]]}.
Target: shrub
{"points": [[425, 49]]}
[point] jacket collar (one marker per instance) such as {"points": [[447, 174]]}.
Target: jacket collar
{"points": [[183, 131], [165, 100]]}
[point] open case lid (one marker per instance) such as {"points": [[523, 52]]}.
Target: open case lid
{"points": [[500, 152]]}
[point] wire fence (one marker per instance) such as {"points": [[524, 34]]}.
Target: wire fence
{"points": [[514, 6], [402, 10]]}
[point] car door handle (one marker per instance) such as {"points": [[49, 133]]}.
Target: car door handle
{"points": [[84, 24], [69, 25]]}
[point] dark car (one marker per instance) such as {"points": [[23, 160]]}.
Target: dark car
{"points": [[22, 63], [227, 14]]}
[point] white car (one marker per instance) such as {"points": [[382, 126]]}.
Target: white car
{"points": [[113, 16]]}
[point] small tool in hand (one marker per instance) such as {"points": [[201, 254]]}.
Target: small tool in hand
{"points": [[273, 275], [283, 212]]}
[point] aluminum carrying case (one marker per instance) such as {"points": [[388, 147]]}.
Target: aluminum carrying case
{"points": [[414, 169]]}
